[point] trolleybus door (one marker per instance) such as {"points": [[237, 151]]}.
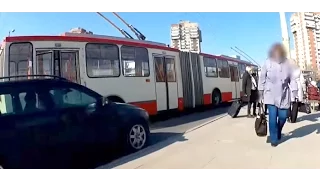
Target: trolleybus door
{"points": [[62, 63], [68, 65], [235, 84], [166, 85]]}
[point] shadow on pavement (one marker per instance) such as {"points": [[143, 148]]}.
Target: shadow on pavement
{"points": [[302, 132], [310, 117], [241, 116], [168, 139], [170, 130], [192, 117]]}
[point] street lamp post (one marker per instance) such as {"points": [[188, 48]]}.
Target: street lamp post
{"points": [[12, 31]]}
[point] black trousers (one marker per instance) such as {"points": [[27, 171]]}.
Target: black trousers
{"points": [[254, 107], [254, 96], [293, 112]]}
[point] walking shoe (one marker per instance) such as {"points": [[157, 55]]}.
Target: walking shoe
{"points": [[274, 144], [289, 120]]}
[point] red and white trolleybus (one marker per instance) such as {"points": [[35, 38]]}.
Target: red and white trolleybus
{"points": [[147, 74]]}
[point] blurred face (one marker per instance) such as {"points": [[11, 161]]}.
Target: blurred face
{"points": [[277, 54]]}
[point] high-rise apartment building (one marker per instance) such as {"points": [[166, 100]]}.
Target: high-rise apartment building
{"points": [[305, 27], [186, 36], [80, 30]]}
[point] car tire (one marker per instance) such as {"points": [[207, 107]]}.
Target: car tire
{"points": [[137, 136]]}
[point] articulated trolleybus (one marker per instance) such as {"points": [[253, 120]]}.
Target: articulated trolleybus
{"points": [[146, 74]]}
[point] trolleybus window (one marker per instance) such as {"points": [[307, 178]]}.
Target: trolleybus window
{"points": [[223, 68], [210, 67], [12, 68], [171, 73], [135, 61], [242, 69], [165, 69], [22, 67], [20, 56], [44, 63], [102, 60]]}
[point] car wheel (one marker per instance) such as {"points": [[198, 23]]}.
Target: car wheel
{"points": [[137, 137]]}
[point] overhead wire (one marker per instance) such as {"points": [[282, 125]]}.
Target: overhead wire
{"points": [[123, 32]]}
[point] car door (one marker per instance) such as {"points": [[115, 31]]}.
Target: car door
{"points": [[26, 129], [86, 127]]}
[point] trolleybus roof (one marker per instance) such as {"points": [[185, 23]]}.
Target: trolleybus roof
{"points": [[108, 39]]}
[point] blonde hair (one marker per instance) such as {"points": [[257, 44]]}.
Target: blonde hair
{"points": [[279, 48]]}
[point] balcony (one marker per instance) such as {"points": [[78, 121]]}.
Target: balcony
{"points": [[310, 25], [175, 34], [310, 18], [175, 37], [308, 14], [194, 35], [293, 29]]}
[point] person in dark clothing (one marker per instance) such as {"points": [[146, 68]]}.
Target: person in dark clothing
{"points": [[31, 101], [249, 88]]}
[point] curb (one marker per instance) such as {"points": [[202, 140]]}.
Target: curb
{"points": [[151, 148], [204, 124]]}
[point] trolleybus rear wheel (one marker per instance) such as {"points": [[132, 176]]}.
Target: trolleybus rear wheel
{"points": [[216, 97]]}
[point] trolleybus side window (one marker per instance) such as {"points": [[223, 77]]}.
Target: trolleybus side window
{"points": [[242, 69], [23, 67], [102, 60], [223, 68], [210, 67], [20, 56], [13, 66], [171, 73], [44, 62], [135, 61]]}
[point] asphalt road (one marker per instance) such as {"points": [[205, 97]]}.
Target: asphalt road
{"points": [[177, 126]]}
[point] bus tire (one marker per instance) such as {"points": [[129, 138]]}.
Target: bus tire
{"points": [[216, 97], [115, 99]]}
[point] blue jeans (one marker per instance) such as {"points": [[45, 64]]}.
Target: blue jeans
{"points": [[277, 119]]}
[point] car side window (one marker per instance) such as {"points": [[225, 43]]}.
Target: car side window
{"points": [[35, 101], [6, 104], [71, 97]]}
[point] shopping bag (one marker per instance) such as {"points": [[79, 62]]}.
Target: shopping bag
{"points": [[261, 126]]}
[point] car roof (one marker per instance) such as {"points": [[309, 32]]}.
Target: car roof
{"points": [[29, 82], [8, 83]]}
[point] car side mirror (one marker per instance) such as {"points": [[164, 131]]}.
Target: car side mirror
{"points": [[104, 101]]}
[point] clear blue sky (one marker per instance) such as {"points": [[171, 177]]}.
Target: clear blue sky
{"points": [[251, 32]]}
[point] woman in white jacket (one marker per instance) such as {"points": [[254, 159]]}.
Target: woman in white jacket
{"points": [[296, 101]]}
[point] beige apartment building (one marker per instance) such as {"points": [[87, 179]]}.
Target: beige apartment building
{"points": [[186, 36], [305, 27]]}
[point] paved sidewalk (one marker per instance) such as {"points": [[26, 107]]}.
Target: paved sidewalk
{"points": [[232, 143]]}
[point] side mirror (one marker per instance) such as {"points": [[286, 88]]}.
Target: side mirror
{"points": [[104, 101]]}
